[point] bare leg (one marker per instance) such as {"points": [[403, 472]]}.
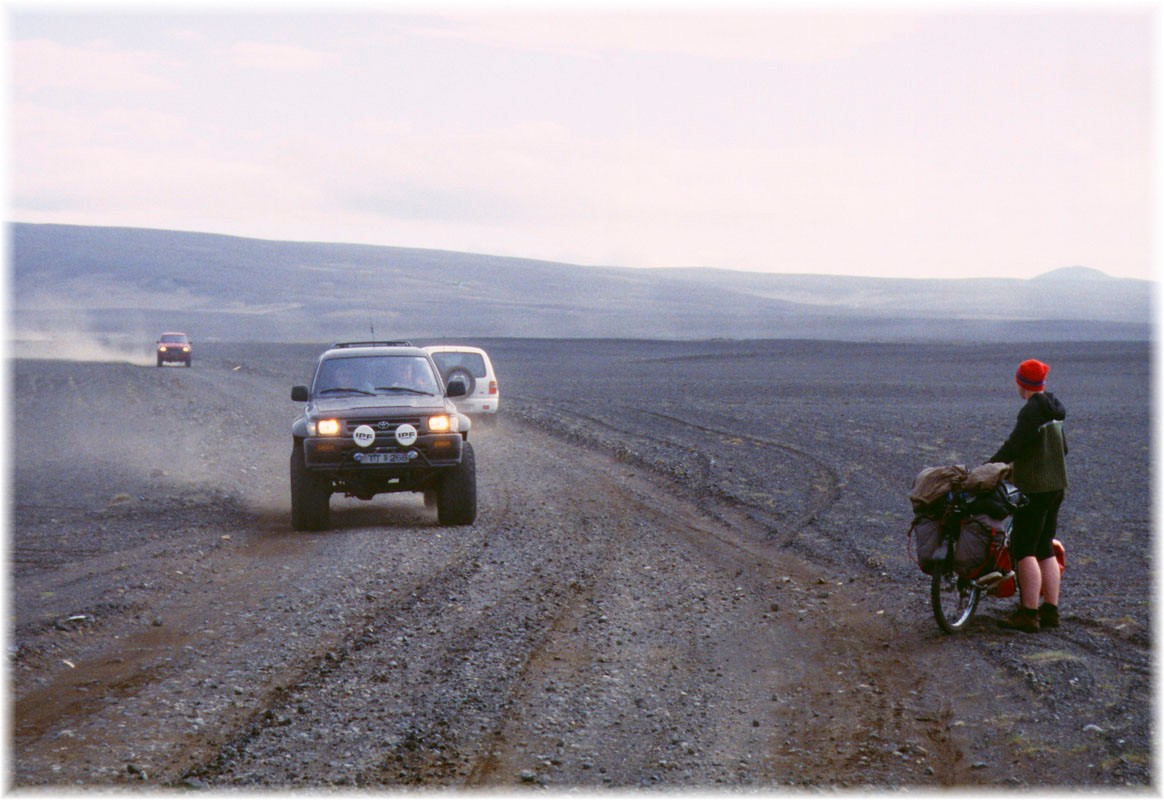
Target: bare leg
{"points": [[1030, 581], [1049, 568]]}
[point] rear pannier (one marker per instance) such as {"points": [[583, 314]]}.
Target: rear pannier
{"points": [[977, 501], [927, 535], [975, 550]]}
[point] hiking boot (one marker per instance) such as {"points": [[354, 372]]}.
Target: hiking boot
{"points": [[1021, 619], [1048, 616]]}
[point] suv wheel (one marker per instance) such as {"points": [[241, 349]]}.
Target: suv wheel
{"points": [[457, 493], [310, 496]]}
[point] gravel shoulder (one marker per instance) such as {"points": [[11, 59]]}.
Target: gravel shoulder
{"points": [[632, 608]]}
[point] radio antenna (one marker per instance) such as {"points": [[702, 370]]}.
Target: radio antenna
{"points": [[372, 328]]}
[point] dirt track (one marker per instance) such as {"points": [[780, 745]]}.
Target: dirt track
{"points": [[655, 593]]}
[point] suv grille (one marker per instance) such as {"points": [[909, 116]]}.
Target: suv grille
{"points": [[380, 425]]}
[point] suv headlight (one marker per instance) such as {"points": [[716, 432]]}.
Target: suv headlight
{"points": [[323, 427], [442, 423]]}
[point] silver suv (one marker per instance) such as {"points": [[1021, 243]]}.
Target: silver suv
{"points": [[378, 418]]}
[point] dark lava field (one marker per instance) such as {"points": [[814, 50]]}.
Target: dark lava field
{"points": [[690, 569]]}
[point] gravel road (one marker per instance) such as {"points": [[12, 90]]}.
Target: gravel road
{"points": [[689, 570]]}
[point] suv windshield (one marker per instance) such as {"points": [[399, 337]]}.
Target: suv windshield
{"points": [[373, 375], [471, 362], [173, 338]]}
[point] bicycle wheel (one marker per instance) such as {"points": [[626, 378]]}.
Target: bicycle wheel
{"points": [[954, 600]]}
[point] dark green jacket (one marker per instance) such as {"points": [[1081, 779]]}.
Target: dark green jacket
{"points": [[1037, 446]]}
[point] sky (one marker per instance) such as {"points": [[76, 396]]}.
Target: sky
{"points": [[922, 140]]}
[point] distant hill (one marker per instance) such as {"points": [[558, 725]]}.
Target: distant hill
{"points": [[137, 282]]}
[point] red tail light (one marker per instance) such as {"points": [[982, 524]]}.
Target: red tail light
{"points": [[492, 387]]}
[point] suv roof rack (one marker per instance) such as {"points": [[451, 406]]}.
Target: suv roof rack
{"points": [[338, 345]]}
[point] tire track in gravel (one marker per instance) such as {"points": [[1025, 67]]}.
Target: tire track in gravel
{"points": [[487, 768], [469, 702], [449, 663], [870, 698], [325, 665], [560, 663], [823, 491], [243, 672], [871, 650]]}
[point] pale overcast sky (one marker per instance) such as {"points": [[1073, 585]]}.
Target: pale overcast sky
{"points": [[946, 141]]}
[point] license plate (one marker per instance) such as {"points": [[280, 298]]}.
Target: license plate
{"points": [[384, 458]]}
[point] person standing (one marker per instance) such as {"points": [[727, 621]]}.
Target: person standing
{"points": [[1037, 449]]}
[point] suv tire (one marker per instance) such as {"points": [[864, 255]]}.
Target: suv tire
{"points": [[310, 496], [465, 376], [457, 493]]}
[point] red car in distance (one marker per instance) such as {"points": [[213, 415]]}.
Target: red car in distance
{"points": [[173, 348]]}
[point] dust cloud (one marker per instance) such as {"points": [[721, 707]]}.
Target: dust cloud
{"points": [[80, 345]]}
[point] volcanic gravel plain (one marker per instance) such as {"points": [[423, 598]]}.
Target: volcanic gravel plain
{"points": [[690, 569]]}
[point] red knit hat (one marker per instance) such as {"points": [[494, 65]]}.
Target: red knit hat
{"points": [[1032, 375]]}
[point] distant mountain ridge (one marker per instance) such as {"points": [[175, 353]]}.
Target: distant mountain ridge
{"points": [[136, 281]]}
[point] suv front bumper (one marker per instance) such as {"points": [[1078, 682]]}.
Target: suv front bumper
{"points": [[340, 454], [174, 355]]}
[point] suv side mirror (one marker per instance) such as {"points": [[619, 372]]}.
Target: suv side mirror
{"points": [[456, 388], [299, 394]]}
